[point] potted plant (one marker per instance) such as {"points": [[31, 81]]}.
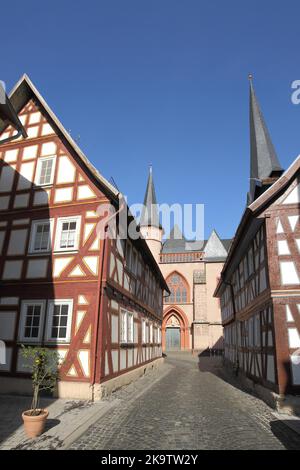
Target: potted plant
{"points": [[43, 364]]}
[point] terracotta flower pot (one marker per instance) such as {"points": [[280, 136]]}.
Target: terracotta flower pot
{"points": [[34, 425]]}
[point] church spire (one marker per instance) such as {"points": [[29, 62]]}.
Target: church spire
{"points": [[264, 166], [150, 215]]}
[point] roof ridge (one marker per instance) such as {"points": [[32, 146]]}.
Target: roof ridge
{"points": [[34, 90]]}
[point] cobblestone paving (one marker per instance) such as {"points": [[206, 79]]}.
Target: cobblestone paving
{"points": [[190, 407]]}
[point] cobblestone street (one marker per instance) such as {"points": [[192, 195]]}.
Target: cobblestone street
{"points": [[188, 405]]}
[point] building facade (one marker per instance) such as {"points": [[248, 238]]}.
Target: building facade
{"points": [[191, 316], [260, 282], [68, 280]]}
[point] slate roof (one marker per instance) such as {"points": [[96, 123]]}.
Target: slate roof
{"points": [[150, 216], [264, 162], [177, 243]]}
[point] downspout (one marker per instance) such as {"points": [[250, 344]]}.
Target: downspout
{"points": [[14, 137], [101, 282]]}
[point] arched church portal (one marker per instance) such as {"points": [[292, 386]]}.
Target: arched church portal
{"points": [[175, 330]]}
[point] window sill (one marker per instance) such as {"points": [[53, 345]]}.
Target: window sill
{"points": [[42, 186], [41, 253], [50, 342], [66, 252], [127, 345], [28, 342]]}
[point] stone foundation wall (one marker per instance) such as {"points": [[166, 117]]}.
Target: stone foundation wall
{"points": [[79, 390]]}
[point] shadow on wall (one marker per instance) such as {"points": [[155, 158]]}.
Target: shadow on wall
{"points": [[26, 284], [216, 350]]}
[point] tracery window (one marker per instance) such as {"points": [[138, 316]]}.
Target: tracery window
{"points": [[179, 291]]}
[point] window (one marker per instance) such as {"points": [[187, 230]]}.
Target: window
{"points": [[130, 324], [151, 333], [127, 327], [31, 323], [67, 234], [40, 239], [144, 331], [45, 171], [158, 335], [178, 289], [59, 320], [123, 332]]}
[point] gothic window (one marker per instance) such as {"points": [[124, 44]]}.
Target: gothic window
{"points": [[179, 291]]}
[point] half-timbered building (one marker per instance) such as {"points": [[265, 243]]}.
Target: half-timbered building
{"points": [[260, 282], [191, 314], [95, 298]]}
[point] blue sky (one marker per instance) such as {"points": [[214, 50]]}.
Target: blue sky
{"points": [[163, 82]]}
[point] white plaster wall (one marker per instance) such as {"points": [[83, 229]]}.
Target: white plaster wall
{"points": [[7, 178], [7, 325], [17, 242], [66, 170], [37, 268], [12, 269], [25, 175]]}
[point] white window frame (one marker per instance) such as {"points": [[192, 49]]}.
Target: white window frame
{"points": [[159, 335], [58, 233], [39, 167], [34, 224], [123, 328], [151, 333], [21, 333], [50, 311], [130, 327], [144, 330], [126, 328]]}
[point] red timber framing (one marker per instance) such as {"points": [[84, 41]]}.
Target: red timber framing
{"points": [[58, 286], [130, 287], [262, 331]]}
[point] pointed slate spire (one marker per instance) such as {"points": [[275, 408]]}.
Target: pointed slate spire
{"points": [[150, 215], [264, 162]]}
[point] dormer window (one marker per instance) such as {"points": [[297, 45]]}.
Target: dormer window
{"points": [[45, 171]]}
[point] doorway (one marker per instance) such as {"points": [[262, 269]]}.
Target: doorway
{"points": [[173, 339]]}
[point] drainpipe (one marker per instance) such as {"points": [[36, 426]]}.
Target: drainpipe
{"points": [[10, 139]]}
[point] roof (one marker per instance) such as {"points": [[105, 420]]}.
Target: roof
{"points": [[23, 91], [249, 222], [177, 243], [264, 162], [19, 96], [214, 248], [150, 216]]}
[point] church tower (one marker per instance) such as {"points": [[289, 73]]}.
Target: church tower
{"points": [[265, 168], [149, 223]]}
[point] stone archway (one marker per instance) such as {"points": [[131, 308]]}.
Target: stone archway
{"points": [[175, 318]]}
